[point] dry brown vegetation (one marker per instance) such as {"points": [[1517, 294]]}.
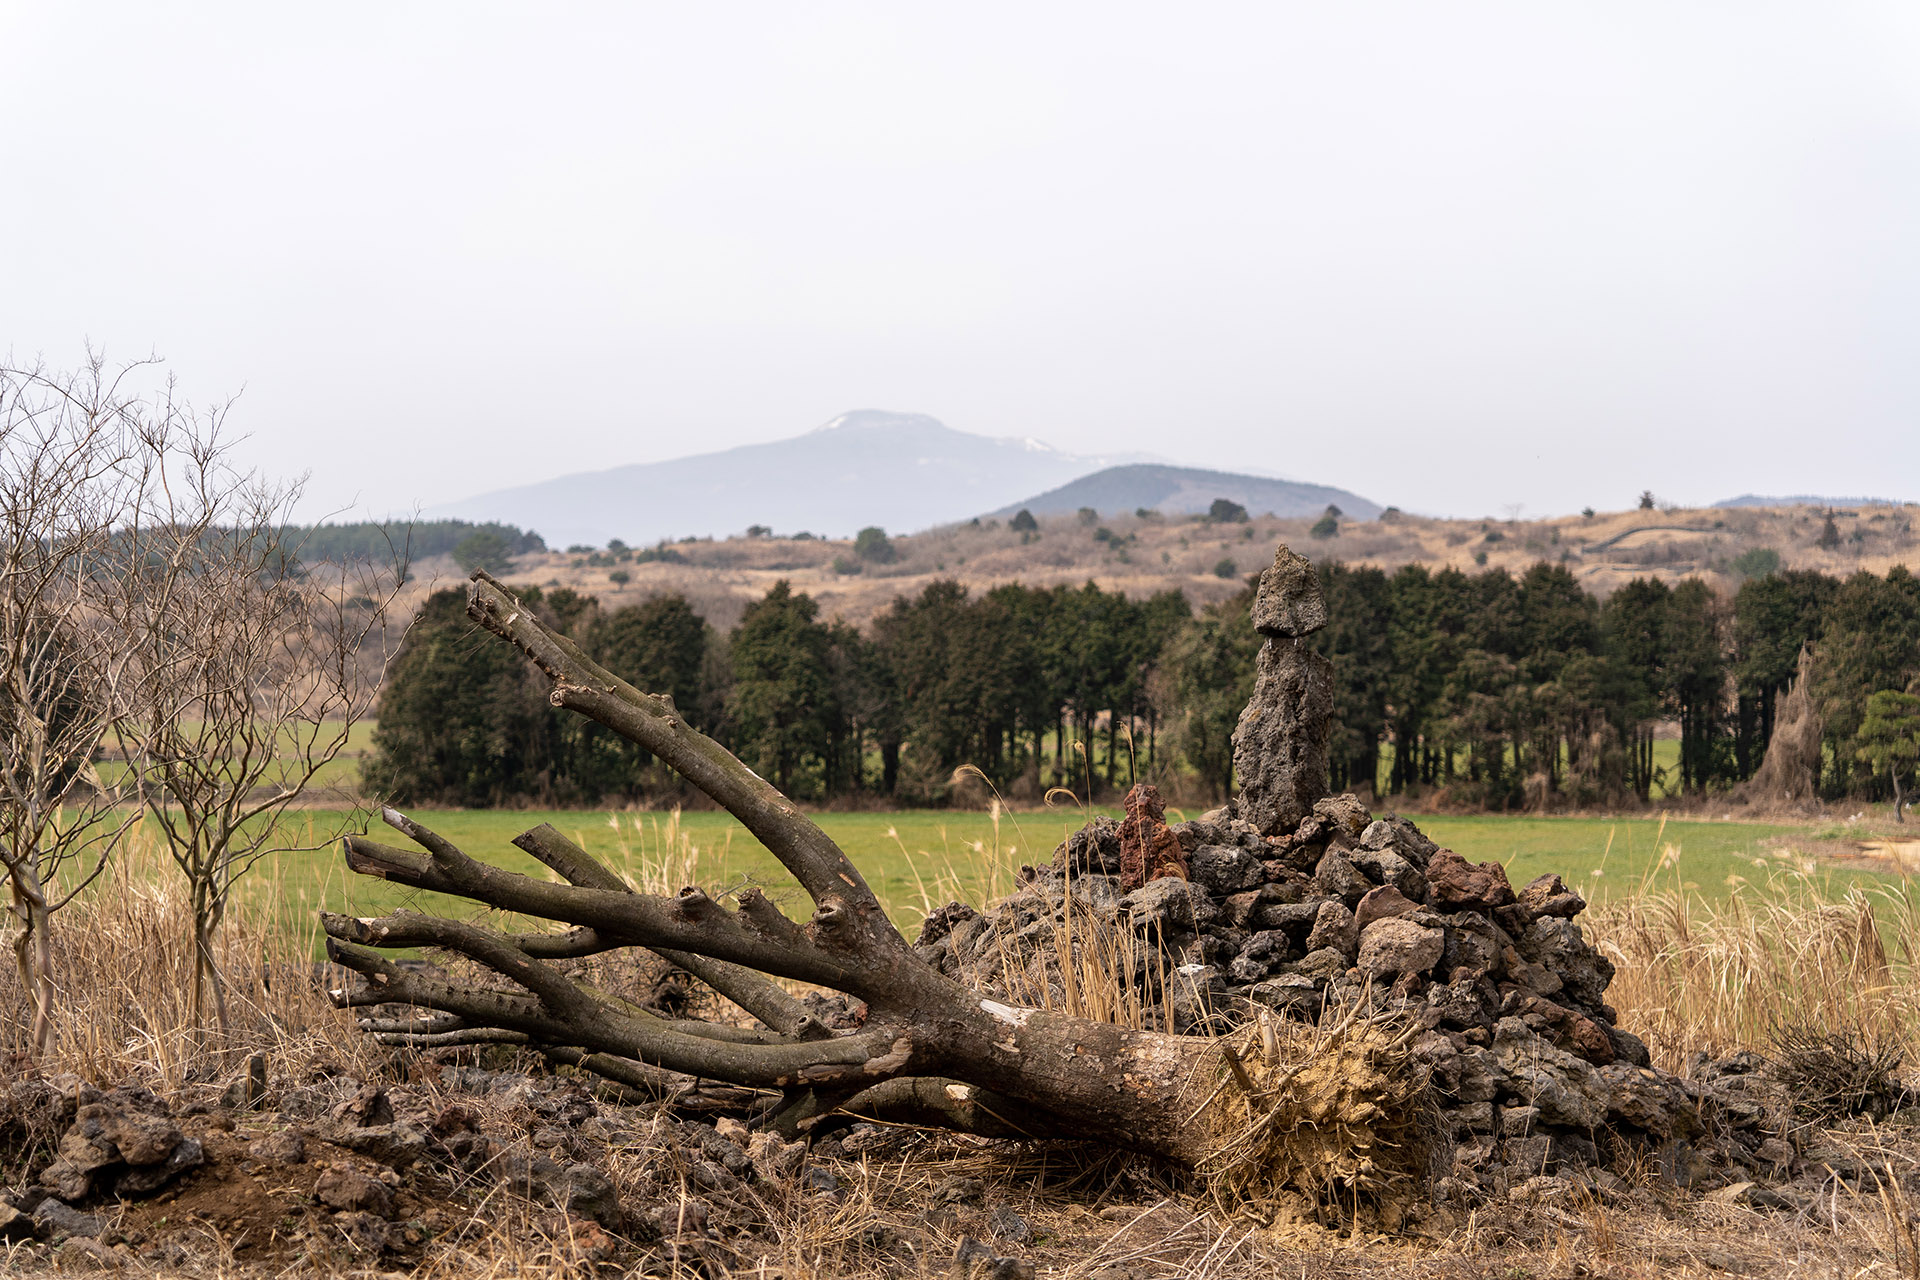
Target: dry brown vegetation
{"points": [[894, 1201], [1154, 554]]}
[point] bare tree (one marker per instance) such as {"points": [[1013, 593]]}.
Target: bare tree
{"points": [[247, 673], [74, 467], [930, 1049]]}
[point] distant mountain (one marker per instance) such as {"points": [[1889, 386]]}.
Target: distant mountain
{"points": [[1187, 491], [901, 471], [1806, 500]]}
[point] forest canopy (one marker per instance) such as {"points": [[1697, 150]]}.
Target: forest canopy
{"points": [[1509, 691]]}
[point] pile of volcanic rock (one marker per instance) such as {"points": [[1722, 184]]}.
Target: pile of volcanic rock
{"points": [[1305, 903], [1528, 1065]]}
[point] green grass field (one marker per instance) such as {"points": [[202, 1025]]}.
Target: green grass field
{"points": [[921, 858]]}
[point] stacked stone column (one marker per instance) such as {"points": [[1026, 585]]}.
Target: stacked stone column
{"points": [[1280, 746]]}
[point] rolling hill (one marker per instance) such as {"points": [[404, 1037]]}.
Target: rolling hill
{"points": [[1190, 491]]}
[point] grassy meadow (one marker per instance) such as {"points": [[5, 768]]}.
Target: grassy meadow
{"points": [[919, 859]]}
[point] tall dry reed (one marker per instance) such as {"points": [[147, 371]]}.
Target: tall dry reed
{"points": [[123, 965], [1703, 974]]}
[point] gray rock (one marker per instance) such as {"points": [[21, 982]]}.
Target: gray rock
{"points": [[1557, 946], [1569, 1090], [1528, 1156], [1195, 991], [1471, 1117], [367, 1108], [1402, 837], [1474, 943], [124, 1132], [1628, 1047], [1334, 928], [1548, 895], [1293, 994], [1004, 1224], [1288, 601], [67, 1181], [1385, 867], [144, 1180], [1164, 904], [1649, 1100], [1259, 955], [709, 1176], [1458, 1004], [959, 1190], [1242, 910], [288, 1146], [1337, 877], [1398, 945], [589, 1193], [397, 1145], [1296, 918], [57, 1215], [1094, 848], [1225, 869], [367, 1234], [1280, 744], [1519, 1122], [1321, 964], [975, 1261]]}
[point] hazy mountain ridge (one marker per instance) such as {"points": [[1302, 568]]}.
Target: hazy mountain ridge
{"points": [[1190, 491], [902, 471], [1804, 500]]}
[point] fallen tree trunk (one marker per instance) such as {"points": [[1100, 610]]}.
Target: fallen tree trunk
{"points": [[930, 1050]]}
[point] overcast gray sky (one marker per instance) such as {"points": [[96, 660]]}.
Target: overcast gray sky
{"points": [[1454, 256]]}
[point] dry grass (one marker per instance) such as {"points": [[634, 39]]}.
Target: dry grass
{"points": [[123, 966], [1179, 553], [1693, 974], [1717, 975]]}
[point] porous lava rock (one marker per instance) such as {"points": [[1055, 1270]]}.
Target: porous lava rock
{"points": [[1148, 851], [1280, 744], [1528, 1071]]}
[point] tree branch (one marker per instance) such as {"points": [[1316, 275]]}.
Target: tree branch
{"points": [[858, 1059], [652, 722]]}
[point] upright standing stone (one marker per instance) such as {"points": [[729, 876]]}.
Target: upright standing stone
{"points": [[1280, 746]]}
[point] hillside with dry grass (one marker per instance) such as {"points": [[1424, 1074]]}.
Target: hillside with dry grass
{"points": [[1144, 554]]}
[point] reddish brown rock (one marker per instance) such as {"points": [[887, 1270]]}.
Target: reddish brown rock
{"points": [[1549, 896], [1381, 904], [1148, 850], [1454, 884]]}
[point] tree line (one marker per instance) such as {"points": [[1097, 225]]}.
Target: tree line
{"points": [[1509, 691]]}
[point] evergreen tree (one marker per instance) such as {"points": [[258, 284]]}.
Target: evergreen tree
{"points": [[1356, 641], [1208, 679], [1774, 616], [1633, 627], [1889, 740], [1870, 641], [1694, 661], [781, 702], [460, 720]]}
